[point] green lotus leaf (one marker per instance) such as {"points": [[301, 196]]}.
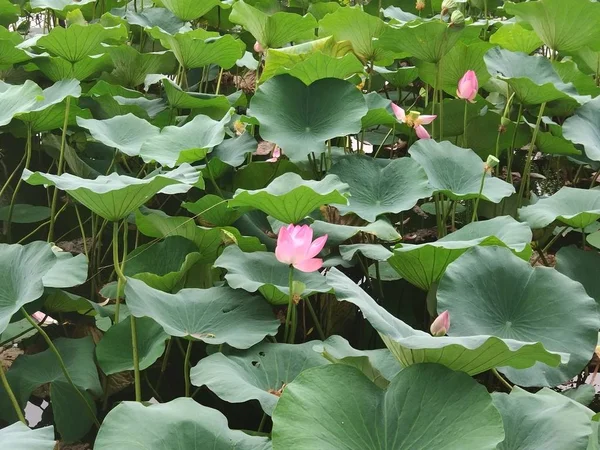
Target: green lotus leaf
{"points": [[380, 111], [154, 17], [29, 372], [189, 9], [582, 128], [545, 419], [114, 197], [17, 99], [554, 145], [508, 298], [25, 213], [212, 210], [78, 41], [187, 143], [126, 133], [337, 233], [399, 15], [132, 67], [9, 12], [216, 315], [312, 61], [67, 271], [532, 78], [362, 30], [9, 52], [376, 252], [114, 352], [424, 264], [472, 354], [401, 77], [276, 30], [19, 436], [58, 5], [307, 116], [483, 140], [233, 151], [200, 48], [561, 29], [580, 266], [178, 424], [259, 373], [57, 68], [260, 271], [426, 406], [574, 207], [214, 106], [516, 38], [457, 172], [587, 59], [22, 269], [583, 394], [380, 186]]}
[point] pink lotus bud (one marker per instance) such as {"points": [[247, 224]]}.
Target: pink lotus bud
{"points": [[275, 155], [441, 324], [468, 86], [43, 318], [295, 247], [258, 48]]}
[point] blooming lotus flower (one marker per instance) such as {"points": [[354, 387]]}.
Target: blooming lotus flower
{"points": [[441, 324], [414, 119], [43, 318], [275, 155], [296, 247], [468, 87]]}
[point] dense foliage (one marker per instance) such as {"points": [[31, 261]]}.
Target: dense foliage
{"points": [[299, 224]]}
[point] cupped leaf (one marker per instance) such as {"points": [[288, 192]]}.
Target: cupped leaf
{"points": [[154, 17], [22, 269], [574, 207], [545, 419], [472, 354], [307, 116], [457, 172], [67, 271], [189, 9], [214, 106], [188, 143], [561, 29], [426, 406], [290, 199], [126, 133], [58, 5], [259, 373], [114, 197], [424, 264], [261, 271], [217, 315], [180, 423], [17, 99], [212, 210], [57, 68], [337, 233], [114, 352], [582, 128], [19, 436], [276, 30], [132, 67], [580, 266], [380, 186], [508, 298], [516, 38]]}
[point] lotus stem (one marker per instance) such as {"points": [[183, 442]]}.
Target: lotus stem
{"points": [[119, 265], [61, 362], [82, 229], [474, 217], [464, 139], [11, 396], [219, 82], [290, 305], [14, 196], [315, 319], [527, 170], [136, 360], [502, 380], [186, 368]]}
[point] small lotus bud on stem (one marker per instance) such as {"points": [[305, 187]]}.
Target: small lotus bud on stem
{"points": [[440, 325], [258, 48]]}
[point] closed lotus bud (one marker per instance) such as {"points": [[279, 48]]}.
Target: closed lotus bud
{"points": [[420, 6], [457, 19], [258, 48], [441, 324]]}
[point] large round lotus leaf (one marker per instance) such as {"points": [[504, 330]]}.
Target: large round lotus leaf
{"points": [[300, 118], [22, 268], [456, 172], [426, 406], [114, 197], [289, 198], [380, 186], [19, 436], [189, 9], [561, 29], [214, 106], [68, 270], [126, 133], [132, 67], [582, 128], [276, 30], [259, 373], [179, 424], [488, 290], [580, 266], [188, 143], [338, 233], [9, 53], [153, 17], [58, 5], [532, 78], [424, 264], [473, 354], [29, 372], [362, 30], [17, 99], [545, 419], [260, 271], [574, 207], [211, 210], [217, 315], [57, 68], [114, 352], [516, 38]]}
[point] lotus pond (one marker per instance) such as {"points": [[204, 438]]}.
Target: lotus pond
{"points": [[299, 224]]}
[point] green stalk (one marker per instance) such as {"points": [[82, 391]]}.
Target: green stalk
{"points": [[61, 163], [163, 366], [85, 248], [502, 380], [14, 196], [14, 172], [512, 145], [219, 82], [294, 323], [526, 171], [61, 362], [315, 319], [464, 139], [438, 215], [11, 396], [474, 217], [186, 368], [290, 305], [119, 266], [136, 360]]}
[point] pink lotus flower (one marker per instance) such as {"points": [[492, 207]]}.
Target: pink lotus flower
{"points": [[414, 119], [258, 48], [43, 318], [468, 87], [441, 324], [296, 247], [275, 155]]}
